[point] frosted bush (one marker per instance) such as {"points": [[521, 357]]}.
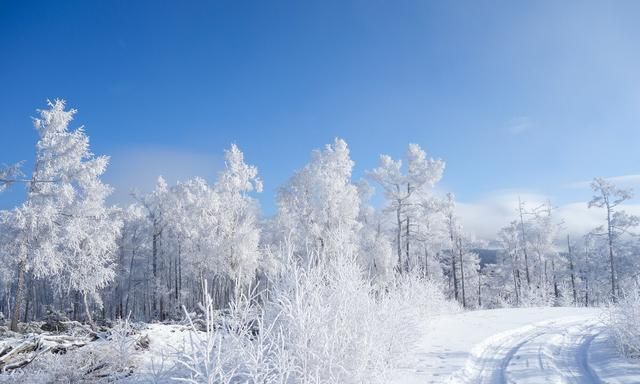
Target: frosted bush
{"points": [[325, 324], [203, 358], [623, 322], [122, 344], [424, 296], [333, 325]]}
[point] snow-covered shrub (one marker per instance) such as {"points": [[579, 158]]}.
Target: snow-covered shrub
{"points": [[424, 296], [203, 358], [324, 324], [334, 326], [623, 322], [537, 296], [122, 344]]}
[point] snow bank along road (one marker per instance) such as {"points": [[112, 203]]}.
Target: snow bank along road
{"points": [[526, 345]]}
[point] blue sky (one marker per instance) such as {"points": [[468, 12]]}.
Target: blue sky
{"points": [[516, 97]]}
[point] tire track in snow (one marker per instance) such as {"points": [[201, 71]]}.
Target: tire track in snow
{"points": [[550, 352]]}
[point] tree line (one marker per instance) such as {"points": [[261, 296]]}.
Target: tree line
{"points": [[65, 248]]}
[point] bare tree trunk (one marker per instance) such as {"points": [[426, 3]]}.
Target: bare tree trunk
{"points": [[453, 269], [426, 261], [524, 243], [555, 282], [479, 290], [28, 298], [408, 234], [154, 263], [516, 274], [464, 300], [614, 297], [19, 297], [88, 311], [516, 289], [175, 272], [546, 275], [586, 276], [126, 304], [573, 276], [406, 260], [399, 235]]}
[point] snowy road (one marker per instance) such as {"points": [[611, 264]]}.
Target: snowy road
{"points": [[533, 345], [550, 352]]}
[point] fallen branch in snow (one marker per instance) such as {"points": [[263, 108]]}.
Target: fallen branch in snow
{"points": [[19, 353]]}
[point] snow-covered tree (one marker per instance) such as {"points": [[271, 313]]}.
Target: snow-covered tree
{"points": [[509, 241], [463, 262], [64, 189], [618, 222], [318, 207], [11, 174], [238, 231], [375, 251], [90, 229], [402, 190], [156, 207]]}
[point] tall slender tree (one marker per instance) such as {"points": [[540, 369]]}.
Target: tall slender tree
{"points": [[618, 222], [401, 188]]}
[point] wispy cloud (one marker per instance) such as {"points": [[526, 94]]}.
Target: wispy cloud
{"points": [[518, 125]]}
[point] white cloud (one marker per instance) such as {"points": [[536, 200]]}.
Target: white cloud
{"points": [[486, 216], [139, 168]]}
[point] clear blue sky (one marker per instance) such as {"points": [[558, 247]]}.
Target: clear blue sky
{"points": [[512, 94]]}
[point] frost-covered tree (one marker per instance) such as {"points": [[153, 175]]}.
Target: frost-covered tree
{"points": [[64, 189], [132, 247], [318, 207], [401, 188], [618, 222], [524, 240], [375, 251], [89, 231], [201, 230], [509, 241], [11, 174], [464, 264], [431, 235], [238, 231], [155, 205], [542, 230], [194, 211], [238, 228]]}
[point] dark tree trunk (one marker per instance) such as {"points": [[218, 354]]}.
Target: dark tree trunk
{"points": [[524, 244], [464, 297], [479, 290], [408, 234], [573, 276], [614, 296], [399, 235], [19, 297]]}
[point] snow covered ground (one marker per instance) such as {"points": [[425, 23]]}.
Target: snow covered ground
{"points": [[520, 345]]}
